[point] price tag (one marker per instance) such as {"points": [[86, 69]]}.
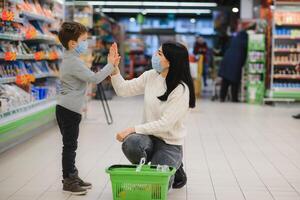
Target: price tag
{"points": [[30, 33], [7, 15], [10, 56], [40, 55]]}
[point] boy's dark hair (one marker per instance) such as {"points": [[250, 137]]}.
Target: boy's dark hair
{"points": [[70, 31]]}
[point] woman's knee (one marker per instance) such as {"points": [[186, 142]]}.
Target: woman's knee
{"points": [[136, 146]]}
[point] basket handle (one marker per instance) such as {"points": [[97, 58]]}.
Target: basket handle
{"points": [[142, 162]]}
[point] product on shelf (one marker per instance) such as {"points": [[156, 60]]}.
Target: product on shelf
{"points": [[291, 58], [288, 18], [27, 8], [256, 67], [255, 88], [256, 56], [11, 96], [285, 79]]}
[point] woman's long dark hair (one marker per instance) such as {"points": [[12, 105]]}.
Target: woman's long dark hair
{"points": [[179, 70]]}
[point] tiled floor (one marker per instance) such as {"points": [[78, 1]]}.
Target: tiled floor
{"points": [[232, 152]]}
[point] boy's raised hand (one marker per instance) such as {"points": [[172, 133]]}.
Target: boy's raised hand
{"points": [[113, 56]]}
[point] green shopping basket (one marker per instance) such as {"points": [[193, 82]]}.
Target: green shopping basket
{"points": [[146, 184]]}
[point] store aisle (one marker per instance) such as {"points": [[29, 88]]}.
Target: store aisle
{"points": [[232, 152]]}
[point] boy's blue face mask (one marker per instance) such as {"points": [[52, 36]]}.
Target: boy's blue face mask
{"points": [[82, 47], [156, 63]]}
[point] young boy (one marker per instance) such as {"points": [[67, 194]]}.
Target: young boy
{"points": [[74, 76]]}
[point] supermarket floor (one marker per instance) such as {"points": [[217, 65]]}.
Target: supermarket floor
{"points": [[232, 152]]}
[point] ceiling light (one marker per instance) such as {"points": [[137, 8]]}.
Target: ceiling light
{"points": [[121, 10], [193, 20], [132, 19], [161, 10], [195, 11], [142, 3], [123, 3], [235, 10], [145, 11], [191, 4]]}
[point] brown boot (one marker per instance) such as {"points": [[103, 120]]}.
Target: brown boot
{"points": [[83, 184], [71, 185]]}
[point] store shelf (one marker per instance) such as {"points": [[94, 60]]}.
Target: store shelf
{"points": [[256, 72], [290, 25], [285, 63], [45, 75], [25, 110], [21, 57], [287, 50], [13, 79], [42, 38], [7, 80], [280, 76], [33, 16], [286, 37], [256, 61], [6, 36], [279, 89]]}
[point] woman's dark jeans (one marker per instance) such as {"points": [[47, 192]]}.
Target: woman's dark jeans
{"points": [[155, 150]]}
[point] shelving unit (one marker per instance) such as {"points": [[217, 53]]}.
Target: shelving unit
{"points": [[136, 61], [285, 82], [30, 73], [255, 86]]}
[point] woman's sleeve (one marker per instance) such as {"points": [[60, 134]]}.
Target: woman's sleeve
{"points": [[126, 88], [177, 107]]}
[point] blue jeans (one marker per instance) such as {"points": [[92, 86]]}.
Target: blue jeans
{"points": [[155, 150]]}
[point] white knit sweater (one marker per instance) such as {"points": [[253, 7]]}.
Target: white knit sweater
{"points": [[161, 119]]}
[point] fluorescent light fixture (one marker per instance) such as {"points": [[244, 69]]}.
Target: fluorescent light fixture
{"points": [[235, 10], [121, 10], [134, 10], [144, 12], [171, 4], [60, 1], [123, 3], [161, 11], [191, 4], [195, 11], [143, 3]]}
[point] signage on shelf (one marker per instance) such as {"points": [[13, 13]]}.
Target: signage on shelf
{"points": [[7, 15], [40, 55], [24, 79], [10, 56]]}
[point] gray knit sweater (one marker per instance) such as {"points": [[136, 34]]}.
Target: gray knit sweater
{"points": [[74, 76]]}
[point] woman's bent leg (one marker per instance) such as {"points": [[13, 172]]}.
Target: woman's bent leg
{"points": [[137, 146], [166, 154]]}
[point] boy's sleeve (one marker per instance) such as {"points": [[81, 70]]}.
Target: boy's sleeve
{"points": [[81, 72]]}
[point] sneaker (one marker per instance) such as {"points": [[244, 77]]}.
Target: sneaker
{"points": [[180, 178], [85, 185], [71, 185], [296, 116]]}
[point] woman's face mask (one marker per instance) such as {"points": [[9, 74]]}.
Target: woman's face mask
{"points": [[159, 62], [82, 47], [156, 63]]}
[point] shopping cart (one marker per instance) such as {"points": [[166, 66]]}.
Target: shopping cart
{"points": [[136, 182]]}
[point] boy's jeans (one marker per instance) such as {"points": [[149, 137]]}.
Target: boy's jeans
{"points": [[68, 122], [155, 150]]}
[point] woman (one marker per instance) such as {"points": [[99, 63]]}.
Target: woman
{"points": [[168, 94]]}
